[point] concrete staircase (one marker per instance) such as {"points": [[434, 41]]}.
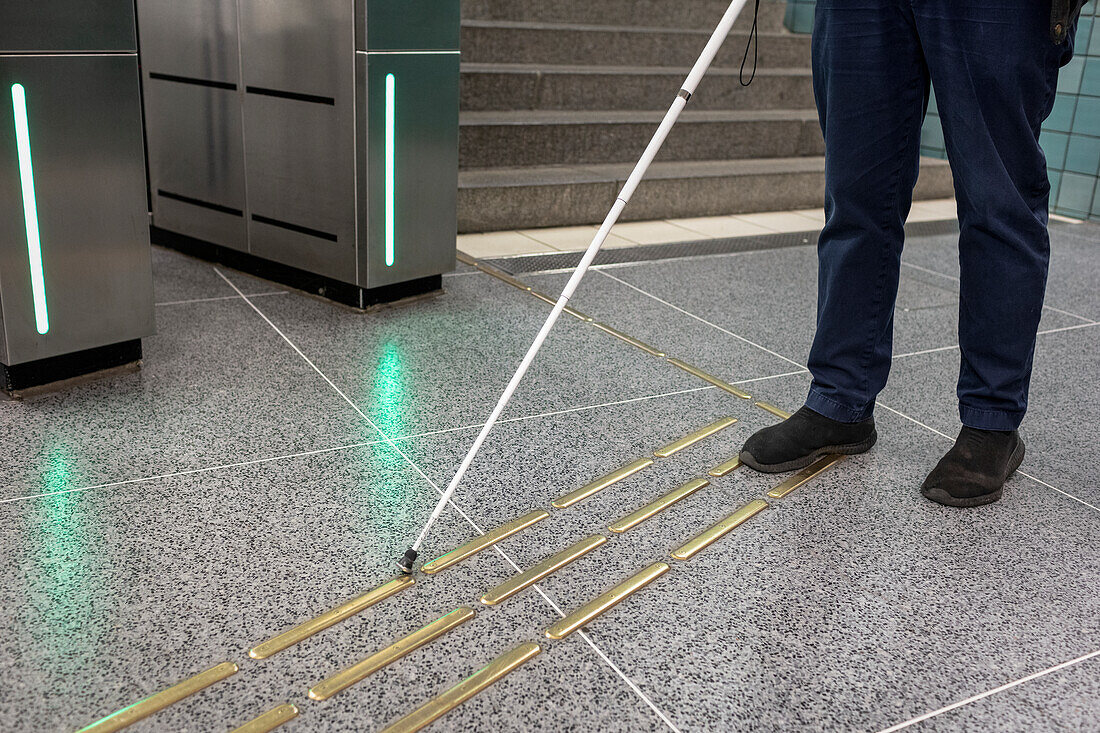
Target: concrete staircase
{"points": [[559, 98]]}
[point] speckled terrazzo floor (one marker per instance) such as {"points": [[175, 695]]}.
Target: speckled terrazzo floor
{"points": [[155, 524]]}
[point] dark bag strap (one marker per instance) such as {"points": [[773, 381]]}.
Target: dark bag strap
{"points": [[1062, 13]]}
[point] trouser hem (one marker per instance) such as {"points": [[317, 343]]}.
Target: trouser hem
{"points": [[834, 410], [979, 419]]}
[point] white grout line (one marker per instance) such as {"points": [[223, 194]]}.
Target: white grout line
{"points": [[1088, 321], [955, 279], [1037, 333], [255, 461], [1067, 328], [1022, 473], [221, 297], [702, 320], [191, 471], [926, 351], [930, 272], [431, 483], [1055, 488], [478, 426], [988, 693]]}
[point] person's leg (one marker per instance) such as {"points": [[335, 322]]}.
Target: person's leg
{"points": [[871, 86], [994, 69]]}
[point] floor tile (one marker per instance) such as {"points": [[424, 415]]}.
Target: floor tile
{"points": [[672, 332], [499, 244], [653, 232], [936, 208], [780, 221], [720, 226], [574, 239], [444, 363], [1061, 396], [1070, 285], [1063, 700], [828, 610], [217, 386], [116, 603], [818, 215], [770, 298], [178, 277]]}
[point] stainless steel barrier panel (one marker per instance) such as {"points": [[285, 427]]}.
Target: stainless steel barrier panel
{"points": [[75, 271], [318, 137]]}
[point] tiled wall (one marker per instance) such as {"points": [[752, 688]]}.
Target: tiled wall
{"points": [[1071, 135]]}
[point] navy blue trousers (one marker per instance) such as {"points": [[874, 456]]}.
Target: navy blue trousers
{"points": [[994, 70]]}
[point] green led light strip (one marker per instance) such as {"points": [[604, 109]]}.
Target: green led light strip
{"points": [[390, 114], [30, 207]]}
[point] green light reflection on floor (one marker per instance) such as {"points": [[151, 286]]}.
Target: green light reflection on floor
{"points": [[388, 401], [62, 578]]}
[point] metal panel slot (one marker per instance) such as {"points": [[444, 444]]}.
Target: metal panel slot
{"points": [[295, 228], [196, 82], [198, 202], [315, 99]]}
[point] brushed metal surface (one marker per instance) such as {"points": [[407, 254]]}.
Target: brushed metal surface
{"points": [[190, 38], [196, 151], [406, 25], [426, 158], [300, 173], [303, 46], [67, 26], [84, 118]]}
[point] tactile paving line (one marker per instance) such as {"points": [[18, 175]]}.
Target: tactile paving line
{"points": [[463, 691], [336, 615], [588, 612], [637, 343]]}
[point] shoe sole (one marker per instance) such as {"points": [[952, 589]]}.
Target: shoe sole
{"points": [[940, 496], [849, 449]]}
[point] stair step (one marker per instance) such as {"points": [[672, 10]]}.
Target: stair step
{"points": [[514, 198], [528, 86], [488, 41], [690, 14], [577, 137]]}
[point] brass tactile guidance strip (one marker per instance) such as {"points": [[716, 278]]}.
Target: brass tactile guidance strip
{"points": [[361, 670], [578, 315], [723, 468], [502, 276], [270, 720], [488, 539], [446, 702], [601, 483], [777, 411], [589, 611], [330, 618], [697, 372], [629, 339], [635, 518], [542, 296], [692, 438], [159, 701], [807, 473], [709, 536], [547, 567]]}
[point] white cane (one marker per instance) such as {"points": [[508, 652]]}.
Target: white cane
{"points": [[692, 81]]}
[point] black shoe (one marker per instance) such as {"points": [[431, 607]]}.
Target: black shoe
{"points": [[975, 470], [803, 438]]}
